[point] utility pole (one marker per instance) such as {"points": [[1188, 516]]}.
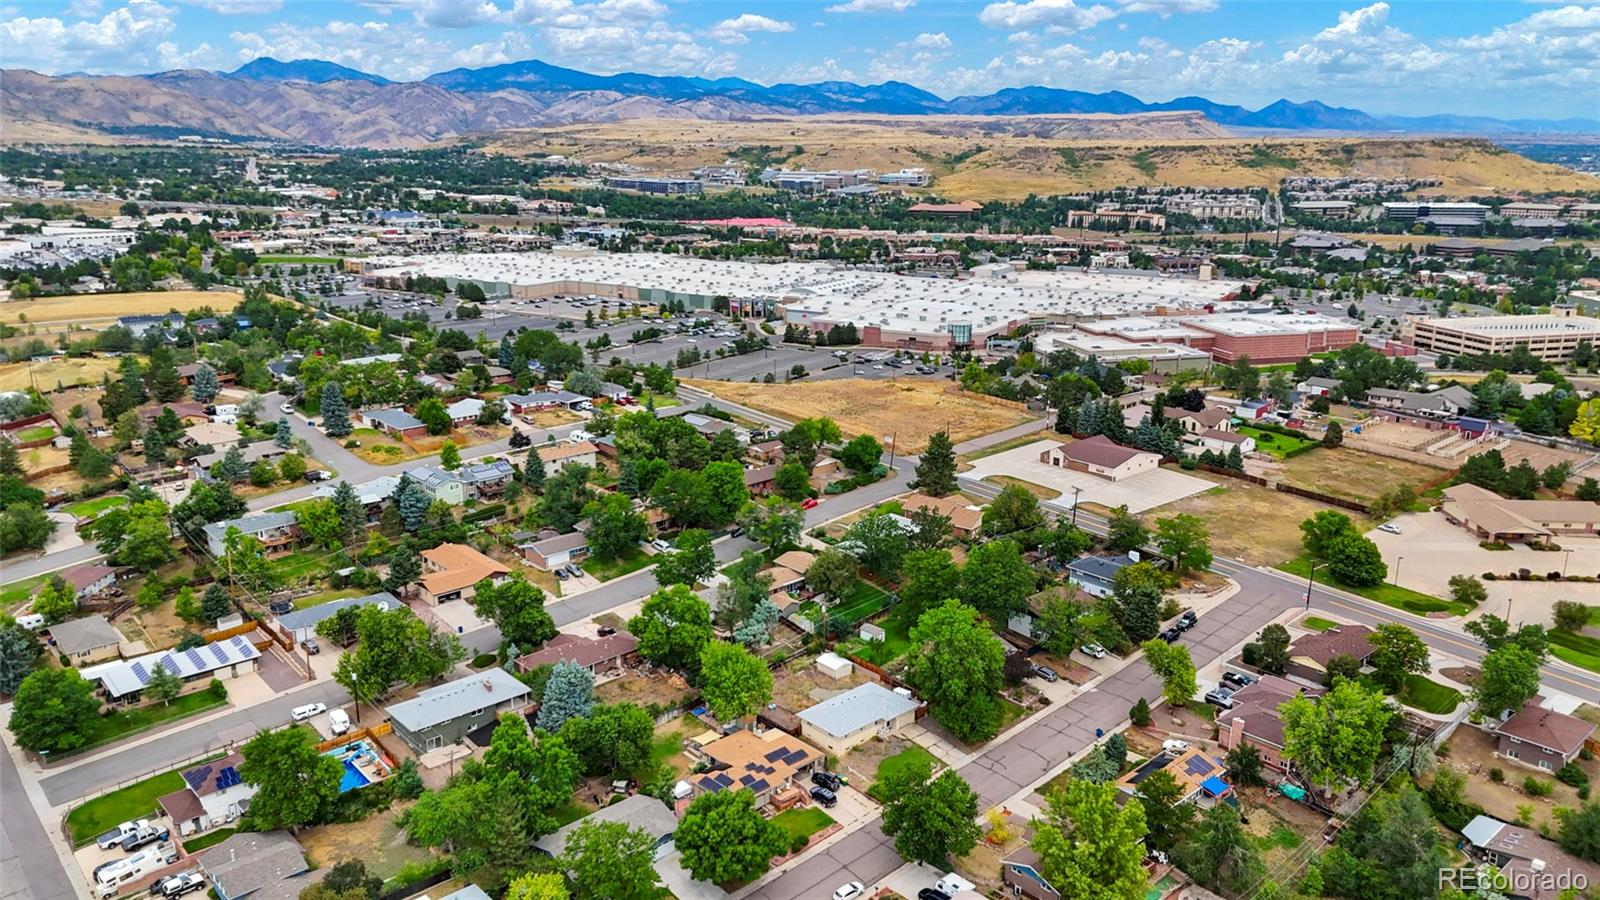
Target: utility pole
{"points": [[1075, 492]]}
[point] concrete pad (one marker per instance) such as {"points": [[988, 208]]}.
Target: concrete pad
{"points": [[1146, 490]]}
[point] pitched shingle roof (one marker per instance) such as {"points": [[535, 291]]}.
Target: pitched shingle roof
{"points": [[1557, 731]]}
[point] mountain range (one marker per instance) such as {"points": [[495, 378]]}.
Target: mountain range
{"points": [[318, 101]]}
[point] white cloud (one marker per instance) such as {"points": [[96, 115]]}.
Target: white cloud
{"points": [[83, 9], [238, 7], [1165, 8], [126, 38], [1060, 14], [932, 41], [737, 30], [872, 6]]}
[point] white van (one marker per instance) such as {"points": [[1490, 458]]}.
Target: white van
{"points": [[111, 879], [952, 884], [31, 621]]}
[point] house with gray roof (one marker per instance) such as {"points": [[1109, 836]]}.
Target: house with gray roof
{"points": [[440, 484], [464, 411], [261, 865], [86, 640], [1444, 403], [486, 479], [252, 452], [444, 714], [372, 494], [537, 400], [302, 623], [121, 681], [843, 721], [394, 421], [641, 812], [1095, 575], [278, 532]]}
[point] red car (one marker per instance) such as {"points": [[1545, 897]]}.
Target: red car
{"points": [[808, 503]]}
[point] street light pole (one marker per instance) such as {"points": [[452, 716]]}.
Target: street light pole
{"points": [[1310, 576], [1075, 492], [1397, 561]]}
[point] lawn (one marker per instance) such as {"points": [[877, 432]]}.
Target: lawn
{"points": [[802, 821], [299, 566], [1387, 594], [1421, 692], [895, 644], [88, 509], [17, 592], [209, 839], [137, 800], [1278, 446], [375, 446], [903, 760], [129, 721], [862, 601], [1010, 712], [1317, 623], [1578, 649], [632, 560], [327, 596], [36, 433]]}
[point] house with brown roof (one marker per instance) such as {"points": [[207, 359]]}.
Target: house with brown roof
{"points": [[1254, 721], [1101, 456], [765, 452], [1494, 518], [1198, 422], [765, 764], [760, 481], [213, 795], [1309, 656], [90, 580], [965, 519], [453, 571], [597, 655], [565, 454], [1023, 872], [1542, 738]]}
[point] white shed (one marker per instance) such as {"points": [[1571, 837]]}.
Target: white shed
{"points": [[834, 666]]}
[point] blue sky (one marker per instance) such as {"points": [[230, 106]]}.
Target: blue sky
{"points": [[1509, 59]]}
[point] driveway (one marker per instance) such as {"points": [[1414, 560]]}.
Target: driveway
{"points": [[1146, 490], [276, 671]]}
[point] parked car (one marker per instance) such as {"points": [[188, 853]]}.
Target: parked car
{"points": [[849, 891], [1172, 634], [1221, 697], [338, 721], [311, 645], [824, 797], [1093, 650], [1188, 620], [313, 476], [286, 408], [1045, 672], [737, 531], [281, 607], [561, 574], [149, 834], [1238, 679], [605, 631], [827, 780], [574, 571], [114, 837], [808, 503], [180, 884], [661, 546], [932, 894], [1390, 527], [302, 713], [1174, 745]]}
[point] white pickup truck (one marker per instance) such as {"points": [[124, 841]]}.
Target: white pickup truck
{"points": [[113, 838]]}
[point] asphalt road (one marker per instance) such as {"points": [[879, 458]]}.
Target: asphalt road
{"points": [[29, 866]]}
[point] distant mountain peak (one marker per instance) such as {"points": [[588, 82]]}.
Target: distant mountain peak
{"points": [[315, 71]]}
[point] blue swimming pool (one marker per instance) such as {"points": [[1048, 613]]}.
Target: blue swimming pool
{"points": [[352, 777], [349, 755]]}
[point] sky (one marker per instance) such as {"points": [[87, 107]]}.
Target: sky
{"points": [[1403, 57]]}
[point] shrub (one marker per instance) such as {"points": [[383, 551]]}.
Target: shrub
{"points": [[1570, 774], [1489, 576], [483, 660], [217, 689], [1140, 714], [352, 444], [1537, 788], [799, 842], [407, 781], [1497, 775]]}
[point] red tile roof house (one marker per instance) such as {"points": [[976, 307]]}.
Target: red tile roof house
{"points": [[1542, 738], [1309, 656], [597, 655], [1253, 721]]}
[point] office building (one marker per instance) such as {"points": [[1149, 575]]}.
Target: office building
{"points": [[1551, 338]]}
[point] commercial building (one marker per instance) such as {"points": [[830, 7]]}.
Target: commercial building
{"points": [[1526, 210], [1101, 456], [1135, 219], [1230, 336], [655, 185], [1552, 338], [1437, 212], [910, 177], [445, 714], [1327, 209], [843, 721], [1164, 358], [1495, 518]]}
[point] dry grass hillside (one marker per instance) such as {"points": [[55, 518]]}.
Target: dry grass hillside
{"points": [[1008, 158]]}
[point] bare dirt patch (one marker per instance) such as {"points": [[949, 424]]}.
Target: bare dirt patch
{"points": [[1038, 490], [793, 686], [1250, 522], [1471, 751], [643, 690], [1346, 472], [910, 410], [861, 764], [376, 840]]}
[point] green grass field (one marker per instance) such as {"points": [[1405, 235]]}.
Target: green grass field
{"points": [[802, 821], [1387, 594], [1578, 649], [209, 839], [632, 560], [1278, 446], [901, 761], [1428, 695], [88, 509], [1317, 623], [327, 596], [895, 644], [137, 800], [299, 566], [128, 721], [36, 433], [17, 592]]}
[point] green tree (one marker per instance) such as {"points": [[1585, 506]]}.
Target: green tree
{"points": [[736, 683], [53, 710], [1355, 560], [1495, 633], [56, 601], [958, 670], [405, 568], [880, 543], [1390, 851], [673, 627], [1219, 854], [1135, 601], [163, 685], [282, 436], [1172, 664], [1317, 532], [693, 559], [1467, 589], [1186, 541], [1272, 649], [24, 526], [613, 738], [516, 607], [20, 651], [319, 522], [568, 694], [1089, 847], [723, 838], [547, 886], [861, 454], [927, 579], [1166, 815], [11, 460], [833, 574], [1013, 510], [1580, 832], [206, 386], [449, 456], [614, 527], [335, 412], [155, 446], [997, 580], [936, 469], [610, 861], [1244, 766], [1570, 616], [1125, 532], [431, 413], [1396, 653], [931, 819], [793, 482], [1510, 678], [772, 523], [351, 875], [1333, 436], [1062, 621], [1335, 738], [295, 783], [292, 467]]}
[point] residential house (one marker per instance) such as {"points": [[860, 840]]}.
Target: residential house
{"points": [[278, 532], [765, 452], [440, 484], [765, 764], [553, 552], [1219, 441], [372, 494], [1523, 855], [1494, 518], [471, 357], [90, 581], [464, 411], [1445, 403], [216, 435], [90, 639], [965, 519], [616, 393], [1023, 872], [843, 721], [498, 375], [1198, 422], [1254, 719], [1309, 655], [252, 453], [213, 795], [260, 865], [1317, 386], [302, 623], [760, 480], [393, 421], [709, 426], [486, 480], [1542, 738], [186, 374], [1101, 456], [598, 655], [640, 812], [1199, 776], [121, 681], [542, 400], [788, 571], [1096, 575], [559, 456], [446, 713], [452, 571]]}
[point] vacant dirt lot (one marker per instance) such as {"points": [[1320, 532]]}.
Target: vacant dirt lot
{"points": [[1248, 522], [1472, 752], [910, 410], [109, 306], [375, 840], [65, 372], [1344, 472]]}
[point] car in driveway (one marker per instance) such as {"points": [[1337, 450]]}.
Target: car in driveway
{"points": [[1390, 527], [1238, 679], [932, 894], [824, 797], [302, 713], [1045, 672], [1188, 620], [849, 891], [1093, 650], [827, 780], [338, 722], [1174, 745], [1220, 697], [661, 546], [180, 884], [114, 837]]}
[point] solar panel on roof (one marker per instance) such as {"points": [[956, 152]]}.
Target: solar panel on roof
{"points": [[197, 777], [774, 755], [1198, 765], [794, 756], [194, 657], [746, 780], [218, 652], [140, 673], [724, 779], [759, 785]]}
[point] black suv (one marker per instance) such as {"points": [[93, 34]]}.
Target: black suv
{"points": [[1187, 620], [826, 780], [824, 797]]}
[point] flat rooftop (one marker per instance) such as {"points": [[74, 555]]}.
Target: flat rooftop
{"points": [[1500, 326], [822, 291]]}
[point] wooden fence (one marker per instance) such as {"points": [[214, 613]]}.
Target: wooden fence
{"points": [[371, 732]]}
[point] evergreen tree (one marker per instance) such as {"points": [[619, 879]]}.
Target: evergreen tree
{"points": [[413, 503], [215, 604], [1334, 436], [155, 446], [283, 437], [533, 471], [352, 514], [232, 467], [335, 412], [568, 694], [936, 471], [11, 461], [1236, 459], [133, 390], [405, 567], [165, 383], [206, 386]]}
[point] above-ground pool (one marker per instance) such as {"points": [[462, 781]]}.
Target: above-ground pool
{"points": [[362, 765]]}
